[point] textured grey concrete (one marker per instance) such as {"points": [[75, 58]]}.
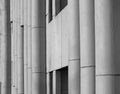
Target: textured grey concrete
{"points": [[74, 50], [25, 46], [38, 47], [87, 46], [21, 61], [5, 47], [107, 23], [29, 46]]}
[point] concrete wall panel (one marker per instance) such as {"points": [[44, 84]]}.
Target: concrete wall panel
{"points": [[65, 36]]}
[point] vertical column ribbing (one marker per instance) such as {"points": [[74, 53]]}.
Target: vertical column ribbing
{"points": [[87, 46], [20, 61], [48, 83], [54, 83], [16, 43], [6, 47], [25, 47], [12, 49], [38, 47], [29, 47], [107, 23], [20, 51], [14, 88], [74, 49]]}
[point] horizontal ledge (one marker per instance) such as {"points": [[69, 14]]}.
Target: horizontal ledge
{"points": [[73, 59], [107, 75], [91, 66]]}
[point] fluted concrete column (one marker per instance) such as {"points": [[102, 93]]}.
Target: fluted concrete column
{"points": [[13, 42], [29, 23], [48, 83], [13, 67], [74, 49], [87, 46], [38, 47], [107, 34], [54, 83], [6, 47], [12, 58], [25, 47], [20, 61]]}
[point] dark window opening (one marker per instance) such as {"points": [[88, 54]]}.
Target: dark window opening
{"points": [[62, 81], [51, 82], [50, 10], [60, 4]]}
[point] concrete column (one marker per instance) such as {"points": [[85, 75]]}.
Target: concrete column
{"points": [[13, 82], [53, 8], [107, 34], [25, 47], [16, 57], [12, 58], [20, 61], [54, 83], [87, 46], [17, 29], [74, 49], [13, 36], [29, 46], [48, 83], [38, 47], [6, 47]]}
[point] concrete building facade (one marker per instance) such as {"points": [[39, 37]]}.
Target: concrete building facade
{"points": [[59, 47]]}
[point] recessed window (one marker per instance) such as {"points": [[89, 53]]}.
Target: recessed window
{"points": [[62, 81], [50, 10], [60, 4]]}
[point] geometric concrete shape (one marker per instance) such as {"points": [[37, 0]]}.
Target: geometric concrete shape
{"points": [[74, 77], [38, 13], [38, 50], [87, 80], [65, 36], [107, 32], [38, 83], [107, 84], [87, 32]]}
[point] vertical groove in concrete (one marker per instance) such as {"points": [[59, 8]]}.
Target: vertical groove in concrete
{"points": [[74, 49], [87, 46], [38, 47], [6, 48]]}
